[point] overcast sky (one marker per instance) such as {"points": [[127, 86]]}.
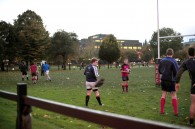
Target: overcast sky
{"points": [[126, 19]]}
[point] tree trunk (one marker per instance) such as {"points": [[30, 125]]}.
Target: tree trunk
{"points": [[108, 65], [64, 65], [2, 66]]}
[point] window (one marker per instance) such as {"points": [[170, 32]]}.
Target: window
{"points": [[139, 47], [134, 48], [97, 40], [130, 47], [125, 47]]}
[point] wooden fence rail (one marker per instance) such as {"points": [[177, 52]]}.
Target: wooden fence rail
{"points": [[99, 117]]}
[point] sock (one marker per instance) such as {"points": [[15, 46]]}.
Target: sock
{"points": [[99, 100], [87, 100], [123, 87], [175, 106], [162, 105], [127, 88], [191, 121]]}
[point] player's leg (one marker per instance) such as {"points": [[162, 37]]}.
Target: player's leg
{"points": [[174, 102], [97, 94], [48, 76], [26, 76], [126, 84], [192, 106], [89, 91], [162, 102], [192, 109], [123, 84], [22, 76]]}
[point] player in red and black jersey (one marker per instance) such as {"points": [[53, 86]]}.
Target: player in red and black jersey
{"points": [[125, 70]]}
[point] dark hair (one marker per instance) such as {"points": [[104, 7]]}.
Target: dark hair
{"points": [[94, 60], [169, 51], [191, 51]]}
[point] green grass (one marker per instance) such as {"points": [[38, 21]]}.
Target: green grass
{"points": [[142, 101]]}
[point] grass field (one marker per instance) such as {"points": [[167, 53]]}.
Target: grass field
{"points": [[142, 101]]}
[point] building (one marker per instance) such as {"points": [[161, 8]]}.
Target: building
{"points": [[97, 39], [191, 42]]}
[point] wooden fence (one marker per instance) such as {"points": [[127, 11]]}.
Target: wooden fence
{"points": [[99, 117]]}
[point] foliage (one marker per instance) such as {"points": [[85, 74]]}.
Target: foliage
{"points": [[7, 43], [32, 36], [146, 53], [63, 44], [165, 43], [131, 55], [109, 49]]}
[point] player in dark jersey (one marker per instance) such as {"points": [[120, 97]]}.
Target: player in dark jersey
{"points": [[24, 69], [91, 73], [190, 66], [125, 70], [168, 68]]}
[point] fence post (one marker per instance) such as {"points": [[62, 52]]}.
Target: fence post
{"points": [[21, 91]]}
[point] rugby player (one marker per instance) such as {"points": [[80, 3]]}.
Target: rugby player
{"points": [[189, 65], [91, 73], [168, 68], [125, 70]]}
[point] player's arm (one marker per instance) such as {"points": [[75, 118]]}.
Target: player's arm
{"points": [[96, 71], [181, 70]]}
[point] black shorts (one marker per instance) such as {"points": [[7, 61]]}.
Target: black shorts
{"points": [[193, 88], [34, 74], [125, 78], [168, 86], [24, 73]]}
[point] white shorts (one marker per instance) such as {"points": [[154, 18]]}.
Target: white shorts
{"points": [[47, 72], [91, 85]]}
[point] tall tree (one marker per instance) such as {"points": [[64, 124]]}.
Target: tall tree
{"points": [[7, 43], [147, 53], [64, 44], [131, 55], [31, 35], [174, 43], [109, 49]]}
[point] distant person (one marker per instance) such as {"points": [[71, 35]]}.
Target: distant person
{"points": [[125, 71], [24, 69], [190, 66], [42, 69], [91, 73], [33, 70], [168, 68], [46, 70]]}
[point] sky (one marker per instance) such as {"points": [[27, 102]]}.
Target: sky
{"points": [[126, 19]]}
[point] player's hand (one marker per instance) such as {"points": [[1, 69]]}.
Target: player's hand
{"points": [[177, 85]]}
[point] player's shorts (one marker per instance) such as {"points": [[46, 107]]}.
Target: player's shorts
{"points": [[168, 86], [47, 72], [24, 73], [193, 88], [34, 74], [91, 86], [125, 78]]}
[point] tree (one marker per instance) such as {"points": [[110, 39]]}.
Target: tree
{"points": [[109, 49], [131, 55], [147, 53], [7, 43], [64, 44], [32, 36], [165, 43]]}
